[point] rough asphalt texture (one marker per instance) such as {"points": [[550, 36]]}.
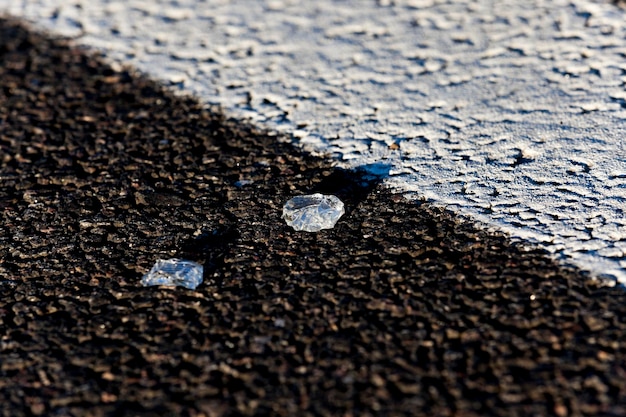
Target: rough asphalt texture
{"points": [[513, 113], [402, 309]]}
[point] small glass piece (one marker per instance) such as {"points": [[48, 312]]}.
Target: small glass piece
{"points": [[312, 213], [173, 272]]}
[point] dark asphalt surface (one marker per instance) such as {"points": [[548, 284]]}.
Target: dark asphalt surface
{"points": [[401, 309]]}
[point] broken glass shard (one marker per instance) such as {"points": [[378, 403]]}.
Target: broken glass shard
{"points": [[174, 272], [312, 213]]}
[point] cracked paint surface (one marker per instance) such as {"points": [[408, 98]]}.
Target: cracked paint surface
{"points": [[513, 114]]}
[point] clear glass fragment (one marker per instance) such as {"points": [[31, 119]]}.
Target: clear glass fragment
{"points": [[174, 272], [312, 213]]}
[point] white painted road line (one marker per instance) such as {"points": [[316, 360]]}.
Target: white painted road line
{"points": [[512, 113]]}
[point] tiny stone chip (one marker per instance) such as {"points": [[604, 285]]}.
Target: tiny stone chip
{"points": [[174, 272], [312, 213]]}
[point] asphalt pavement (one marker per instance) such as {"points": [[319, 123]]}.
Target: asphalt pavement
{"points": [[511, 113], [401, 309]]}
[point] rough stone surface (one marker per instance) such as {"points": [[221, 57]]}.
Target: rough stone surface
{"points": [[512, 112], [402, 309]]}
